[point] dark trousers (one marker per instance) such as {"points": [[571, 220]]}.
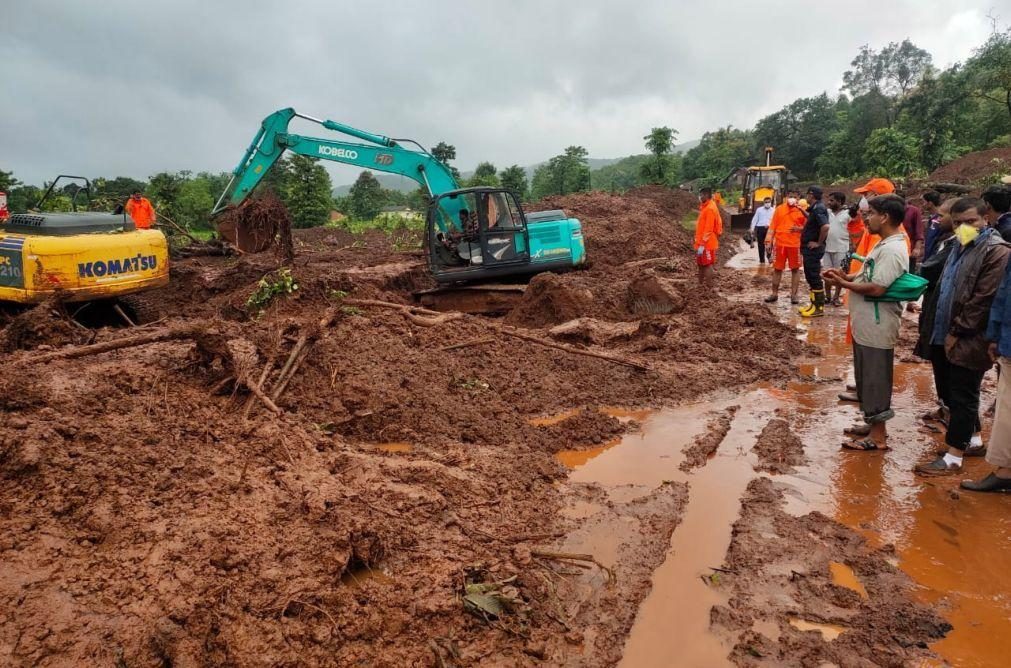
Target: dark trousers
{"points": [[812, 267], [963, 393], [873, 369], [760, 233], [942, 384]]}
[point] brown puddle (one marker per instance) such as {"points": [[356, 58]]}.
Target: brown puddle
{"points": [[829, 632], [843, 576], [573, 459]]}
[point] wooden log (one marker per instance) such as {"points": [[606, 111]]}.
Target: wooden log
{"points": [[174, 333]]}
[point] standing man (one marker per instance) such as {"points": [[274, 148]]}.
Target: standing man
{"points": [[931, 269], [139, 208], [875, 324], [931, 222], [998, 334], [913, 224], [837, 244], [972, 274], [760, 226], [998, 209], [708, 229], [812, 241], [784, 245]]}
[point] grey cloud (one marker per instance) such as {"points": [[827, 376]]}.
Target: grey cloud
{"points": [[135, 88]]}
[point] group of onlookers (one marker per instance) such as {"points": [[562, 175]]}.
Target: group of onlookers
{"points": [[883, 252]]}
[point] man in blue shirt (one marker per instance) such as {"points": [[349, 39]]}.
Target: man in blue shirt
{"points": [[971, 276], [760, 226]]}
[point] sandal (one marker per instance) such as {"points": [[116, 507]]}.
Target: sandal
{"points": [[865, 445], [858, 430]]}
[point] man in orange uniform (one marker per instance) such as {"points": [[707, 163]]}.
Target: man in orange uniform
{"points": [[708, 229], [139, 208], [783, 241]]}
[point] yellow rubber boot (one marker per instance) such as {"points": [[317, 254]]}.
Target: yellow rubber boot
{"points": [[816, 308]]}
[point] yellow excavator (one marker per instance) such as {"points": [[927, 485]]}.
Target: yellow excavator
{"points": [[763, 181], [84, 255]]}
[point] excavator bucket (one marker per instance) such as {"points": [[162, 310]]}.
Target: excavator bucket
{"points": [[740, 222]]}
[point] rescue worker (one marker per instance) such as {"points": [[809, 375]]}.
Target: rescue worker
{"points": [[708, 229], [813, 250], [140, 210], [760, 226], [784, 245]]}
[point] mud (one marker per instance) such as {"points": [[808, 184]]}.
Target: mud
{"points": [[974, 168], [779, 450], [784, 608], [705, 445], [41, 327], [152, 514]]}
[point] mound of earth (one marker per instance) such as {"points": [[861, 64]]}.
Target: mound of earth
{"points": [[778, 448], [972, 168]]}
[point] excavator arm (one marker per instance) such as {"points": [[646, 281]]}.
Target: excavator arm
{"points": [[380, 153]]}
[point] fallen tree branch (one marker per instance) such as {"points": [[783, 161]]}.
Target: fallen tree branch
{"points": [[575, 351], [254, 388], [569, 556], [174, 333]]}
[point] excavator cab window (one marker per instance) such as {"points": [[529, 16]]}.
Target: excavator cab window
{"points": [[476, 229]]}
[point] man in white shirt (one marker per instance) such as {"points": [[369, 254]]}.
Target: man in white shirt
{"points": [[760, 226], [837, 244]]}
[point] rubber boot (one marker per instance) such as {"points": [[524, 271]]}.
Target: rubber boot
{"points": [[817, 306]]}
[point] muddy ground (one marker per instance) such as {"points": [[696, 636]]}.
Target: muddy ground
{"points": [[403, 508]]}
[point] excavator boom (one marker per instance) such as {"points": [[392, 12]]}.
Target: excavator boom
{"points": [[380, 153]]}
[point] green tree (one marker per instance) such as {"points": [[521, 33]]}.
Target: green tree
{"points": [[892, 153], [631, 172], [514, 178], [659, 142], [562, 174], [892, 71], [194, 203], [798, 133], [7, 181], [988, 71], [718, 153], [365, 198], [163, 191], [309, 192], [484, 175], [444, 152]]}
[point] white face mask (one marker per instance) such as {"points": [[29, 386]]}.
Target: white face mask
{"points": [[864, 204], [768, 205], [792, 201]]}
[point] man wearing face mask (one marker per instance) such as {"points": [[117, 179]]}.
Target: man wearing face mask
{"points": [[971, 276], [812, 241], [760, 226], [784, 246]]}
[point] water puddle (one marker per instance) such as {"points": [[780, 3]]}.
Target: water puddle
{"points": [[622, 413], [573, 459], [829, 632], [843, 576]]}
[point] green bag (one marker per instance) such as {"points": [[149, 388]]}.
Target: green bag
{"points": [[906, 288]]}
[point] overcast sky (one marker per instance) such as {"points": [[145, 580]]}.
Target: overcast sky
{"points": [[132, 88]]}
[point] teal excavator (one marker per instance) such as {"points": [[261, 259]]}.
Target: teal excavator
{"points": [[471, 234]]}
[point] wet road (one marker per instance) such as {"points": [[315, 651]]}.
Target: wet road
{"points": [[956, 545]]}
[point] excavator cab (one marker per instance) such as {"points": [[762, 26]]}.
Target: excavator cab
{"points": [[763, 181], [476, 233]]}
